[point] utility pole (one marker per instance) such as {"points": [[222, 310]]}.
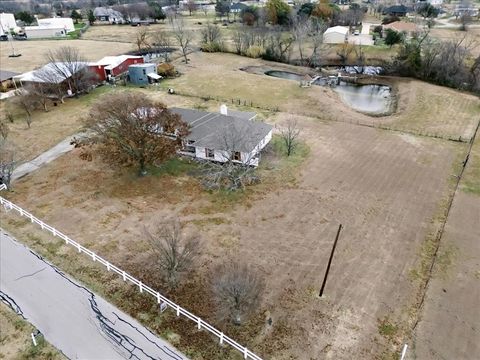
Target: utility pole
{"points": [[330, 260]]}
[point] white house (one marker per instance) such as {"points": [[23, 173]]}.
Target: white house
{"points": [[39, 32], [336, 35], [58, 22], [7, 22], [226, 136]]}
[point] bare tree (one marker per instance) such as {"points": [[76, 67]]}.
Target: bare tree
{"points": [[211, 38], [300, 30], [175, 253], [290, 135], [28, 102], [141, 39], [69, 67], [235, 169], [191, 6], [130, 129], [8, 160], [163, 42], [237, 291], [344, 52], [183, 36]]}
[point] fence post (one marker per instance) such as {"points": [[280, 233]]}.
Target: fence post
{"points": [[108, 266], [199, 324], [245, 353], [79, 248], [94, 258], [140, 286], [124, 276], [221, 338], [158, 297], [178, 310]]}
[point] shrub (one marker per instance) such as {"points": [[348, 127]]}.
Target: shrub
{"points": [[166, 70], [254, 52]]}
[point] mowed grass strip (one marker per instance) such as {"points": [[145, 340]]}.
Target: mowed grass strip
{"points": [[16, 342]]}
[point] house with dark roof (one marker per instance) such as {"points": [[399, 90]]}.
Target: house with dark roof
{"points": [[104, 14], [237, 8], [6, 79], [225, 136], [396, 10]]}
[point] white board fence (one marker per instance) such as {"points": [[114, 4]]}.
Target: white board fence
{"points": [[162, 300]]}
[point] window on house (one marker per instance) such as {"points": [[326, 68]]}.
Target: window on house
{"points": [[209, 153], [237, 156]]}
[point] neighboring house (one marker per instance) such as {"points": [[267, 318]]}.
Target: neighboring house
{"points": [[7, 22], [53, 75], [39, 32], [435, 2], [108, 15], [113, 66], [336, 35], [225, 136], [143, 74], [461, 10], [396, 10], [57, 22], [6, 79], [237, 8], [403, 27]]}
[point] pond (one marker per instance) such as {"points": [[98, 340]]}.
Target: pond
{"points": [[371, 98], [366, 98], [284, 75]]}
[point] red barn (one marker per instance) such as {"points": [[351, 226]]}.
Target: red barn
{"points": [[112, 66]]}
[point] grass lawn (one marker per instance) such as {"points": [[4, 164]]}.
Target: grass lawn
{"points": [[471, 177], [16, 342]]}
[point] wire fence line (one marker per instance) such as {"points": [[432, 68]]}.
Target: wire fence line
{"points": [[162, 300]]}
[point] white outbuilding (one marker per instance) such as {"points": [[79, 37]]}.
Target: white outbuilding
{"points": [[42, 32], [7, 22], [336, 35], [57, 22]]}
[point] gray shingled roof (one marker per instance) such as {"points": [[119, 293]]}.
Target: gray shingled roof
{"points": [[222, 132], [5, 75]]}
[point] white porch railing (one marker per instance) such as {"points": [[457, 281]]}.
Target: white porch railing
{"points": [[247, 354]]}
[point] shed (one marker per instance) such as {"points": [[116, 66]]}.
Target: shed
{"points": [[143, 74], [396, 10], [38, 32], [335, 35], [57, 22]]}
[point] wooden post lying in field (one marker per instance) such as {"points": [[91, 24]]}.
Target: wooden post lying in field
{"points": [[330, 260]]}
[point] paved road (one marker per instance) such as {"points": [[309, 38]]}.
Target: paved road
{"points": [[44, 158], [76, 321]]}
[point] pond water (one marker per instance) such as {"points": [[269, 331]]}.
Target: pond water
{"points": [[370, 98], [284, 75], [367, 98]]}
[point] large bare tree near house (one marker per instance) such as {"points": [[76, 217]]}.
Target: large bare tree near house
{"points": [[131, 130], [70, 69], [235, 171], [175, 253]]}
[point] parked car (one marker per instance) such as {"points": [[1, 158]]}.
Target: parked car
{"points": [[20, 36], [3, 37], [356, 32]]}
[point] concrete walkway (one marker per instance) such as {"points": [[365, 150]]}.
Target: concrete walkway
{"points": [[79, 323], [44, 158]]}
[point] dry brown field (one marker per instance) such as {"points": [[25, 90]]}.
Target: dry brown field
{"points": [[34, 51], [388, 188]]}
